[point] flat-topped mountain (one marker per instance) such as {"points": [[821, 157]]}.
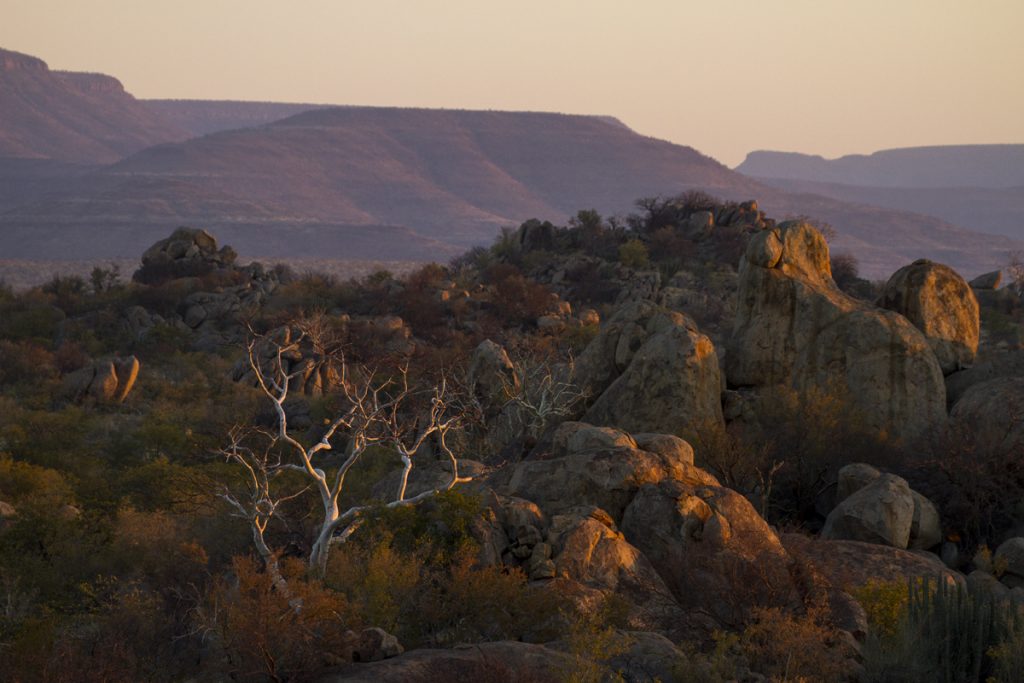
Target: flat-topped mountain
{"points": [[979, 187], [991, 166], [72, 117], [201, 117], [440, 180]]}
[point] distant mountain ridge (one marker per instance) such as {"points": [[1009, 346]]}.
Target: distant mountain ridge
{"points": [[72, 117], [202, 117], [989, 166], [366, 182], [425, 183], [979, 187]]}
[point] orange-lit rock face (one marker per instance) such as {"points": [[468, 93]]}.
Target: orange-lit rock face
{"points": [[795, 328], [942, 305]]}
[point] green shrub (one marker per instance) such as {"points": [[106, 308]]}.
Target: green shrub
{"points": [[633, 254]]}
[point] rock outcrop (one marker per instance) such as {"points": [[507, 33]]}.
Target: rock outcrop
{"points": [[651, 370], [312, 372], [990, 280], [492, 376], [713, 550], [881, 512], [497, 661], [1009, 364], [795, 328], [992, 414], [1009, 562], [941, 304], [648, 526], [188, 252], [849, 564], [871, 507], [106, 381]]}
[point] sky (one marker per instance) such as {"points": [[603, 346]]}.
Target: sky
{"points": [[828, 77]]}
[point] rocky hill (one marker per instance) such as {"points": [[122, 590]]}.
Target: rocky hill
{"points": [[76, 117], [439, 180]]}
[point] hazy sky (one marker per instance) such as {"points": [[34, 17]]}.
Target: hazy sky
{"points": [[828, 77]]}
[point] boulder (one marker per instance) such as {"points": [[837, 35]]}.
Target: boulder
{"points": [[1008, 562], [982, 583], [186, 253], [495, 661], [105, 381], [649, 657], [925, 527], [1009, 364], [588, 548], [492, 375], [992, 414], [852, 478], [580, 437], [941, 304], [375, 644], [795, 328], [849, 564], [713, 550], [881, 512], [7, 511], [990, 280], [668, 445], [607, 478], [651, 370]]}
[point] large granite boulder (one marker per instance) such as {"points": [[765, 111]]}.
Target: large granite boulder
{"points": [[941, 304], [880, 512], [925, 526], [992, 414], [795, 328], [651, 370], [712, 549]]}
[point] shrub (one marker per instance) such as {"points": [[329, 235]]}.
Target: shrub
{"points": [[413, 571], [792, 647], [262, 636], [633, 254]]}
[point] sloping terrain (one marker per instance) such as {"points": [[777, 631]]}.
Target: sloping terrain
{"points": [[72, 117], [388, 183], [202, 117], [936, 167], [998, 210]]}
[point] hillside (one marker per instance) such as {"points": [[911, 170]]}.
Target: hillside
{"points": [[992, 166], [202, 117], [72, 117], [998, 210], [442, 179]]}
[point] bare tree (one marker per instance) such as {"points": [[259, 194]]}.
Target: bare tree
{"points": [[375, 411], [539, 396]]}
